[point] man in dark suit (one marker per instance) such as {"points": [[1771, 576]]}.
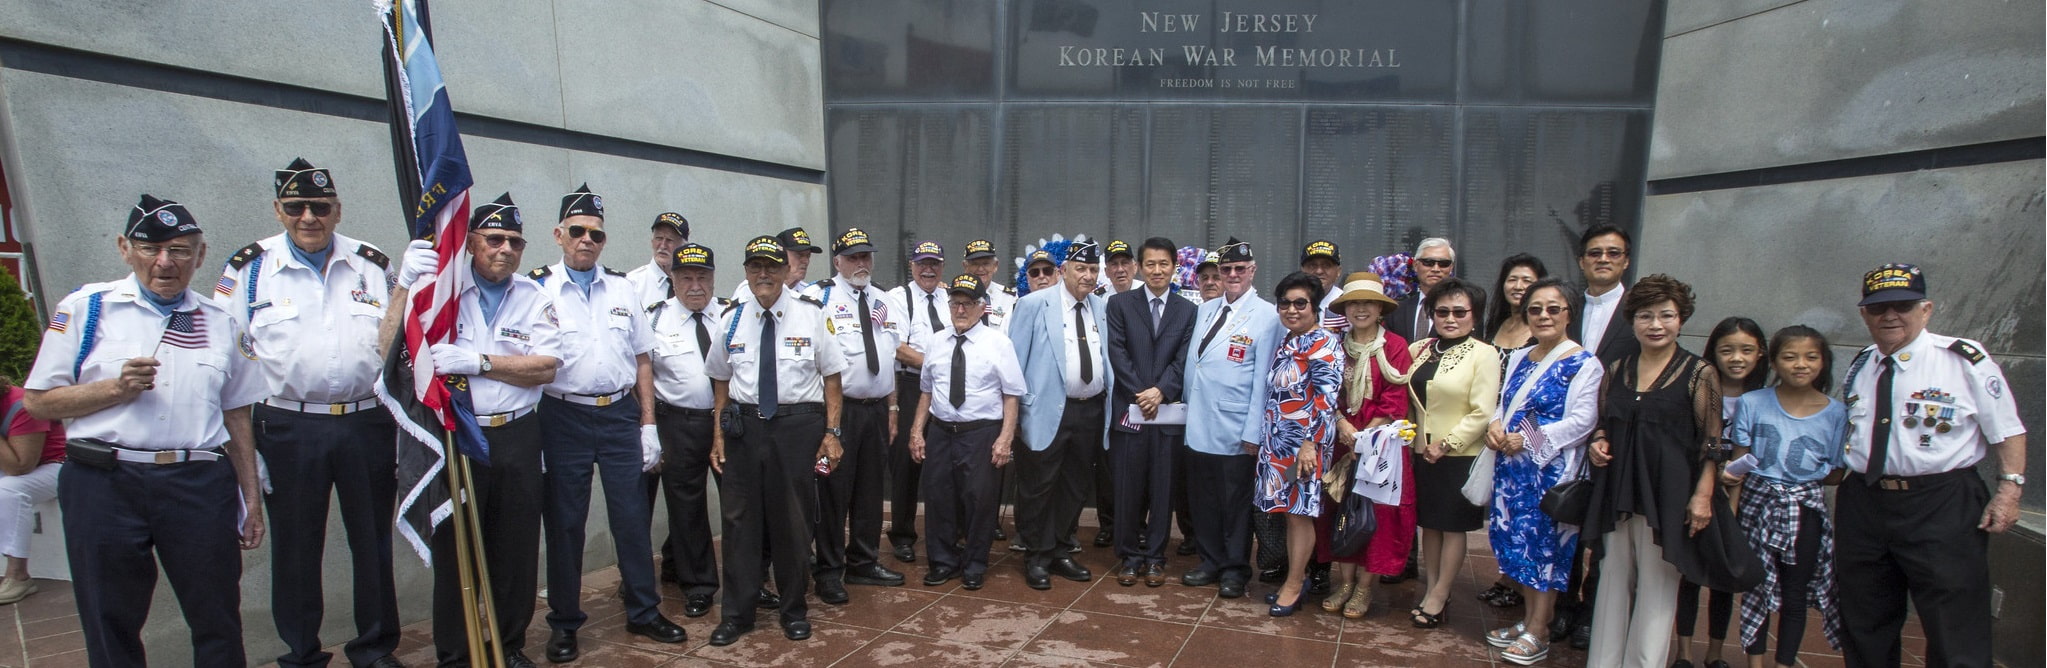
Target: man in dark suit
{"points": [[1434, 260], [1148, 334], [1603, 256]]}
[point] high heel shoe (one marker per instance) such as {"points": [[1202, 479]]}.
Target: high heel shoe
{"points": [[1338, 598], [1288, 610]]}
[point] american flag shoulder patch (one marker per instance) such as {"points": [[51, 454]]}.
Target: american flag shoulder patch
{"points": [[226, 286], [59, 321]]}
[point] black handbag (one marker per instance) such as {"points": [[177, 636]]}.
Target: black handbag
{"points": [[1568, 500], [1357, 518]]}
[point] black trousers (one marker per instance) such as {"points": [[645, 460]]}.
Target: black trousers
{"points": [[1922, 542], [1719, 611], [961, 495], [508, 509], [582, 442], [1052, 483], [852, 493], [1793, 582], [313, 457], [1105, 494], [685, 478], [1144, 465], [119, 524], [904, 473], [769, 498], [1222, 512], [1182, 509]]}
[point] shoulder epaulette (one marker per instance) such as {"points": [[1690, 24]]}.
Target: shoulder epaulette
{"points": [[1102, 291], [729, 305], [1009, 290], [539, 273], [813, 301], [375, 256], [242, 257], [656, 306], [1968, 351], [724, 301], [826, 283], [614, 272]]}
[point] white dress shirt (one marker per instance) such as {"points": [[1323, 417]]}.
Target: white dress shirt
{"points": [[1599, 311], [1001, 302], [1933, 378], [214, 370], [993, 372], [804, 350], [315, 334], [917, 322], [846, 322], [608, 326], [1075, 387], [679, 377], [650, 282], [527, 324]]}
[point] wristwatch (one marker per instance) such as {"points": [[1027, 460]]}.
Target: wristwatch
{"points": [[484, 367], [834, 431], [2015, 479]]}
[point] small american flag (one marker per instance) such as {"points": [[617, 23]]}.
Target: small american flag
{"points": [[187, 329], [1530, 432], [226, 286], [879, 313], [59, 321]]}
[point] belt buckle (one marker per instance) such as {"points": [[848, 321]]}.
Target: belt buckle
{"points": [[337, 409], [497, 420], [167, 457], [603, 400], [1894, 484]]}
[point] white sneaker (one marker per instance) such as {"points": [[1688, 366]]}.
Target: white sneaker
{"points": [[12, 591]]}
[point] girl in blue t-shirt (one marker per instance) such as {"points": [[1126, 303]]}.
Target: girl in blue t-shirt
{"points": [[1794, 435]]}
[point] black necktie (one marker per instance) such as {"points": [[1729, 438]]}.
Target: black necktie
{"points": [[958, 393], [867, 335], [931, 311], [1087, 361], [703, 335], [1212, 330], [1880, 435], [766, 384]]}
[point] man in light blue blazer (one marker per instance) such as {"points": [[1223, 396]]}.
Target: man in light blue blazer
{"points": [[1060, 337], [1226, 374]]}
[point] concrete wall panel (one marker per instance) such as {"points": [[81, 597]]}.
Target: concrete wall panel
{"points": [[327, 45]]}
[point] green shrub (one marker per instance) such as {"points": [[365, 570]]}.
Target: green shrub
{"points": [[21, 331]]}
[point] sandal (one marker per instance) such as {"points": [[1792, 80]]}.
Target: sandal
{"points": [[1504, 637], [1497, 590], [1424, 620], [1525, 651], [1509, 599], [1359, 604], [1337, 598]]}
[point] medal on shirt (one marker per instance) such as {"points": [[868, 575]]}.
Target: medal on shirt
{"points": [[1947, 420], [1240, 347], [1911, 415], [796, 343]]}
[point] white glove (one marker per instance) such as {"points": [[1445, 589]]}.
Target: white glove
{"points": [[263, 474], [650, 447], [454, 360], [419, 260]]}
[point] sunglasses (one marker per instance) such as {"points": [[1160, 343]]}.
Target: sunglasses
{"points": [[1452, 312], [1235, 269], [1435, 262], [1553, 309], [1609, 253], [1041, 272], [498, 240], [295, 209], [1294, 304], [1900, 308], [578, 231]]}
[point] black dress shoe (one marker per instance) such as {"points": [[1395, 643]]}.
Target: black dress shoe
{"points": [[1318, 579], [1231, 588], [1036, 577], [660, 630], [939, 575], [561, 647], [999, 533], [1272, 575], [1186, 548], [906, 553], [973, 582], [696, 605], [517, 659], [1103, 539], [1154, 575], [1069, 569], [728, 633], [874, 574], [387, 661], [796, 630], [1581, 637], [767, 599], [1198, 578], [1127, 575], [831, 592]]}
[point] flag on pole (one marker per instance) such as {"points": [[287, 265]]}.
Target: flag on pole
{"points": [[426, 406]]}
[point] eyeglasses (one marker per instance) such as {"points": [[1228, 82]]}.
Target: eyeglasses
{"points": [[499, 240], [1438, 263], [1294, 304], [1234, 269], [1538, 309], [1442, 312], [296, 209], [1645, 316], [577, 232], [962, 306], [1900, 308], [1041, 272], [178, 253], [1608, 253]]}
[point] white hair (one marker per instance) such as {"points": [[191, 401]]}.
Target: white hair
{"points": [[1434, 242]]}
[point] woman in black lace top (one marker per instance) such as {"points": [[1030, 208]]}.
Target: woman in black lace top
{"points": [[1653, 485]]}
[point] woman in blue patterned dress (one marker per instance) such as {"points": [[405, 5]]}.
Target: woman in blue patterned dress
{"points": [[1300, 428], [1548, 406]]}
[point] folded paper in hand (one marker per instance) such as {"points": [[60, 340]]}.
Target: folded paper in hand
{"points": [[1167, 414]]}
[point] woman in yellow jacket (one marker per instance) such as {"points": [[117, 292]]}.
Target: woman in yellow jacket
{"points": [[1454, 387]]}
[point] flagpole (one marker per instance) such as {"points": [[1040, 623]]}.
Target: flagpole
{"points": [[474, 611], [480, 569]]}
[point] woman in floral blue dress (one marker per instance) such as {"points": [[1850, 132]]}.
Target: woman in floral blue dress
{"points": [[1300, 428], [1549, 404]]}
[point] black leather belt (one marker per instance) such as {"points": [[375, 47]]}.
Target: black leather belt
{"points": [[663, 408], [877, 401], [1084, 400], [782, 411], [1905, 483], [961, 427]]}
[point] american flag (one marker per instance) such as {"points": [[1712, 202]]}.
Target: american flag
{"points": [[879, 313], [59, 321], [1530, 432], [187, 329]]}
